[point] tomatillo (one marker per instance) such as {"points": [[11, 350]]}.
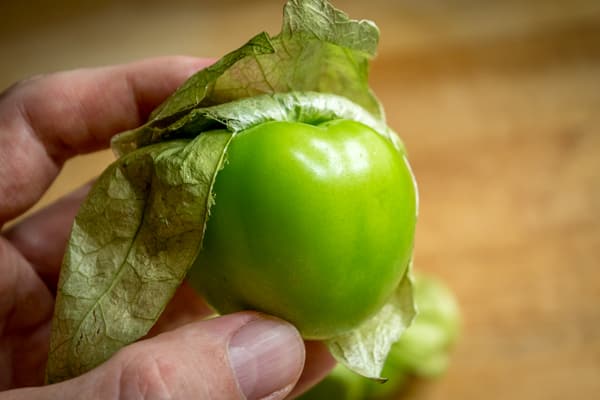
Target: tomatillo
{"points": [[312, 224]]}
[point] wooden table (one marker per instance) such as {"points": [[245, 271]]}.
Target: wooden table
{"points": [[504, 136], [499, 106]]}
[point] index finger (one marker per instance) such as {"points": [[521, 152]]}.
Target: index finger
{"points": [[47, 119]]}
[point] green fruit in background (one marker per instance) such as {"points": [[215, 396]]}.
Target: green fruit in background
{"points": [[423, 350], [313, 224]]}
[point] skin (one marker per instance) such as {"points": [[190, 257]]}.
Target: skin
{"points": [[44, 121], [313, 224]]}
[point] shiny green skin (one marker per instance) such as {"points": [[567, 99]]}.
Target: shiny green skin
{"points": [[313, 224]]}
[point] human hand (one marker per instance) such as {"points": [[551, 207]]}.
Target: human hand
{"points": [[43, 122]]}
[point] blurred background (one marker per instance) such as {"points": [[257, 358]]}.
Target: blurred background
{"points": [[498, 103]]}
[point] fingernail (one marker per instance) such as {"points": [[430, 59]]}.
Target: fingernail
{"points": [[267, 356]]}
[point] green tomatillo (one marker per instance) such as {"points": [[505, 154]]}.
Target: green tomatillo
{"points": [[313, 224], [272, 181]]}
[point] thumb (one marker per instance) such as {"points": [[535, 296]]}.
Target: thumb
{"points": [[239, 356]]}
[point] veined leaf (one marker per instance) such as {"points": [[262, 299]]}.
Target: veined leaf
{"points": [[364, 350], [235, 116], [132, 243], [319, 49]]}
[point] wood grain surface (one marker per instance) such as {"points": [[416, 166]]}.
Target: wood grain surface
{"points": [[504, 137], [499, 106]]}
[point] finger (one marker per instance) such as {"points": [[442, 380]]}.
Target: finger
{"points": [[239, 356], [25, 311], [47, 119], [42, 237], [318, 364]]}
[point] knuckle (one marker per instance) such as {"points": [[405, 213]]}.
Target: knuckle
{"points": [[21, 86], [148, 376]]}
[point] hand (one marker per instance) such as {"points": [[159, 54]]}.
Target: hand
{"points": [[43, 122]]}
